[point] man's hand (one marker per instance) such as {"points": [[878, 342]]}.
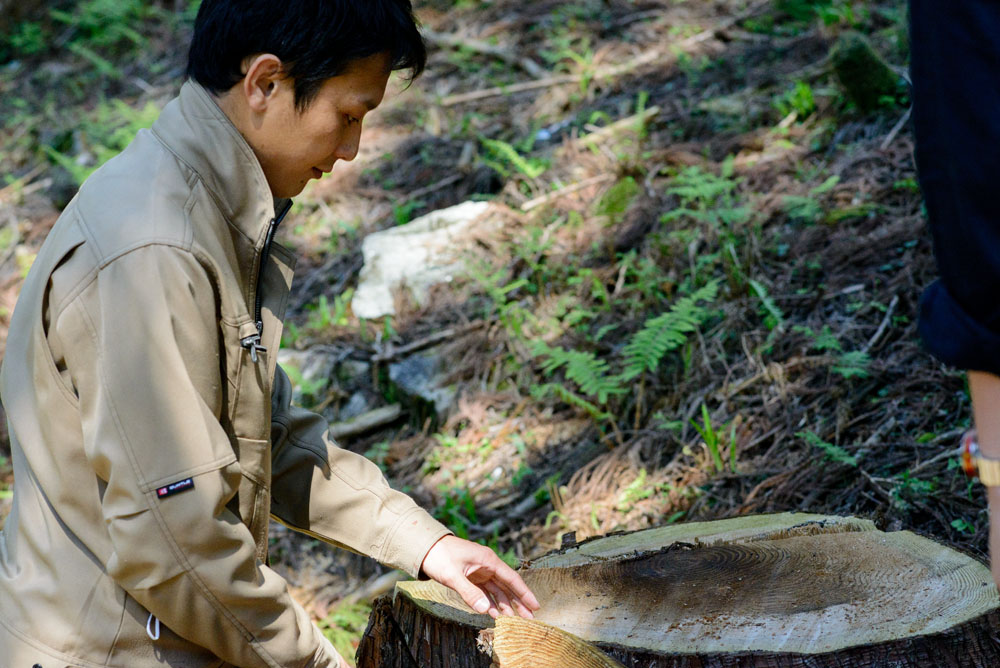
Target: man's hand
{"points": [[483, 581], [984, 388], [993, 493]]}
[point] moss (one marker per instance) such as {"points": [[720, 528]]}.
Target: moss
{"points": [[864, 75]]}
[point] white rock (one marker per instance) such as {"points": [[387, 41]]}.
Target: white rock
{"points": [[417, 255]]}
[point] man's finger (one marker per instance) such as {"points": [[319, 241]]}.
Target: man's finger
{"points": [[473, 596], [500, 598], [510, 580]]}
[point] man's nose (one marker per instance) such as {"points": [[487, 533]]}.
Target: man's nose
{"points": [[348, 148]]}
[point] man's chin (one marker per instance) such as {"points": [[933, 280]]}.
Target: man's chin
{"points": [[289, 190]]}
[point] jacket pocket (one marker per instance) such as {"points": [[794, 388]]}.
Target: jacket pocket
{"points": [[144, 640], [255, 489]]}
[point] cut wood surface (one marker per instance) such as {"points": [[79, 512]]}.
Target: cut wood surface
{"points": [[528, 643], [786, 587]]}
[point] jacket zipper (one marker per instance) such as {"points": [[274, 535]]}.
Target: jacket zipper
{"points": [[252, 342]]}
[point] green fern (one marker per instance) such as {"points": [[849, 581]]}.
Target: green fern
{"points": [[834, 453], [666, 332], [583, 368], [775, 318], [503, 154]]}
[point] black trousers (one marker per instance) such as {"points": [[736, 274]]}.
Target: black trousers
{"points": [[955, 67]]}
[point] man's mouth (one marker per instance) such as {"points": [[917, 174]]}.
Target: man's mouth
{"points": [[317, 173]]}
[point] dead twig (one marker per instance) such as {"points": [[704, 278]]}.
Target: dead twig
{"points": [[366, 422], [895, 129], [635, 121], [485, 48], [882, 327], [434, 187], [562, 192], [651, 56], [391, 352]]}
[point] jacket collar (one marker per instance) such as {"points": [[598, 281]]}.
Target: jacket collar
{"points": [[197, 131]]}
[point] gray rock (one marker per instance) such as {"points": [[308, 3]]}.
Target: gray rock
{"points": [[424, 375], [355, 406]]}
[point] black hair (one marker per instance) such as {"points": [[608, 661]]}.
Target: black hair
{"points": [[315, 39]]}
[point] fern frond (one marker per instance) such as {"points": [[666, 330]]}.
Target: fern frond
{"points": [[666, 332], [583, 368]]}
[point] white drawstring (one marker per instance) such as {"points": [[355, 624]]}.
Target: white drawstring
{"points": [[156, 623]]}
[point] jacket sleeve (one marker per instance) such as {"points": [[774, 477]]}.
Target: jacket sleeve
{"points": [[954, 61], [340, 496], [144, 360]]}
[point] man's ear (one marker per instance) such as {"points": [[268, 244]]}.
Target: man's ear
{"points": [[264, 75]]}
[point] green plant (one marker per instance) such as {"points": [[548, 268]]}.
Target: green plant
{"points": [[403, 213], [707, 197], [345, 625], [824, 340], [808, 209], [508, 556], [852, 364], [309, 388], [589, 373], [963, 526], [457, 510], [637, 490], [26, 39], [106, 132], [828, 11], [908, 488], [322, 315], [666, 332], [833, 453], [504, 159], [569, 49], [598, 290], [710, 436], [798, 99], [378, 454], [615, 201], [775, 319], [510, 312]]}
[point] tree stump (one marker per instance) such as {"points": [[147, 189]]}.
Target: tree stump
{"points": [[762, 591]]}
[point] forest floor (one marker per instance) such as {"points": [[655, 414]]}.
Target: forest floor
{"points": [[701, 302]]}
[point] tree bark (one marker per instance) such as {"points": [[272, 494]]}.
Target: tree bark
{"points": [[770, 591]]}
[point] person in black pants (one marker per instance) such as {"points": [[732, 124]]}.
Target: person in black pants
{"points": [[955, 69]]}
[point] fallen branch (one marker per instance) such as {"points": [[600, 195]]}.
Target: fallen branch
{"points": [[391, 352], [434, 187], [633, 122], [610, 72], [485, 48], [562, 192], [895, 129], [366, 422], [882, 327], [371, 590]]}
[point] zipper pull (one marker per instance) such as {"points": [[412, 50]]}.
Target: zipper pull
{"points": [[252, 343]]}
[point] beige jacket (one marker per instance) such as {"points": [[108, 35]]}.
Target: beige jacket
{"points": [[151, 432]]}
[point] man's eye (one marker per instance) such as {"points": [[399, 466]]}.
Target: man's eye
{"points": [[351, 120]]}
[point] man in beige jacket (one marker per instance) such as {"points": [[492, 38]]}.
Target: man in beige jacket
{"points": [[151, 432]]}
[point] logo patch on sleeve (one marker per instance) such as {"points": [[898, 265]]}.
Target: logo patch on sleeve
{"points": [[175, 488]]}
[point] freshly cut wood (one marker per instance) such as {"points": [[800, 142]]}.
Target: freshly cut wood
{"points": [[528, 643], [772, 590]]}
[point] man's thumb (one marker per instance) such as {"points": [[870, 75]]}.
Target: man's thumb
{"points": [[472, 595]]}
